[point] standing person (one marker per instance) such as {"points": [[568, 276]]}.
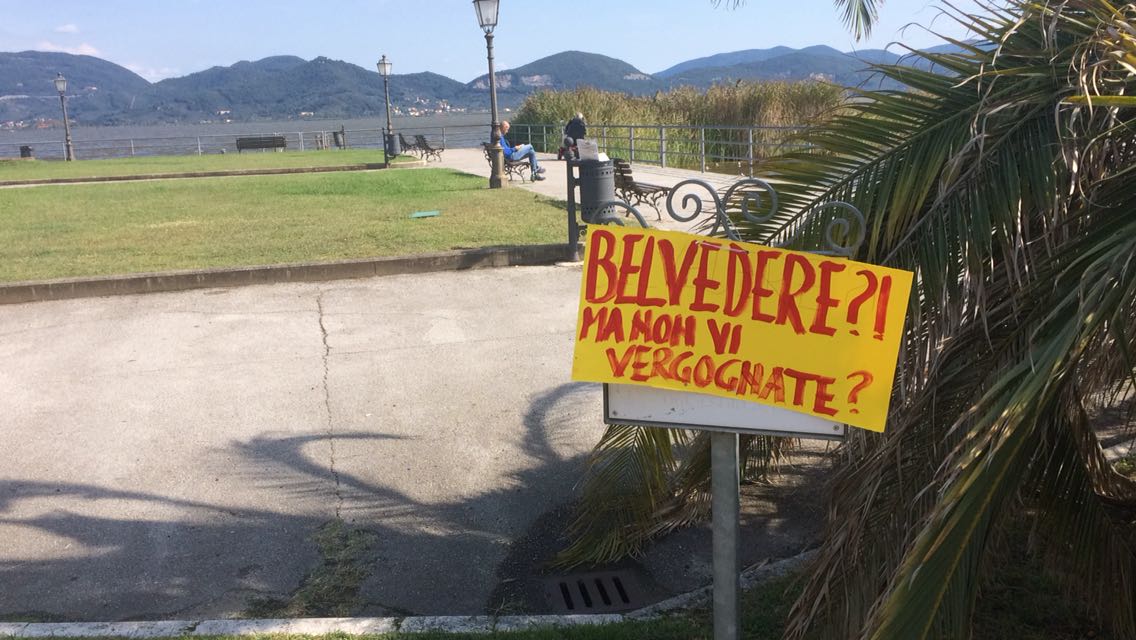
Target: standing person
{"points": [[520, 152]]}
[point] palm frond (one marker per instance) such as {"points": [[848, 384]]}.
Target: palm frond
{"points": [[643, 482], [858, 15], [1003, 181]]}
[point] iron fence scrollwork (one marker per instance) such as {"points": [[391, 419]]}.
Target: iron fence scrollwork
{"points": [[718, 214]]}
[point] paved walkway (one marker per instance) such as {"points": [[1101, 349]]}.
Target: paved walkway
{"points": [[190, 455], [556, 184], [174, 454]]}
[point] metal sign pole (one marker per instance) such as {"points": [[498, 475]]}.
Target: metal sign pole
{"points": [[724, 504], [638, 405]]}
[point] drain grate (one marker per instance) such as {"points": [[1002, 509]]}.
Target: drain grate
{"points": [[598, 592]]}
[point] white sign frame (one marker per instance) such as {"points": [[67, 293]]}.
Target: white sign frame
{"points": [[632, 404]]}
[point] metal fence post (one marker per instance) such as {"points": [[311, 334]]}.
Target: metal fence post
{"points": [[603, 136], [301, 136], [132, 147], [749, 151], [662, 147], [443, 137], [199, 145], [631, 144], [702, 147]]}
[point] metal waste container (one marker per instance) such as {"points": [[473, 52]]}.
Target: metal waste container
{"points": [[392, 145], [597, 186], [25, 151]]}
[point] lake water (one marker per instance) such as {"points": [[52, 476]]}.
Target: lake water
{"points": [[457, 130]]}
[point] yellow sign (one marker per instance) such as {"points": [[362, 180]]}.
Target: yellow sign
{"points": [[795, 330]]}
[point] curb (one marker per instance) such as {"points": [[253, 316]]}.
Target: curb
{"points": [[298, 626], [368, 166], [748, 579], [372, 626], [64, 289]]}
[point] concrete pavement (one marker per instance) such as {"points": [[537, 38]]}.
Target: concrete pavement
{"points": [[204, 454], [172, 454]]}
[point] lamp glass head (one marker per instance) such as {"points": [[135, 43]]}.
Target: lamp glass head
{"points": [[487, 13], [60, 83], [384, 66]]}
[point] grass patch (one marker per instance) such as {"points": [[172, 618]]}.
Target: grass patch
{"points": [[1025, 604], [330, 590], [1126, 466], [46, 170], [63, 231]]}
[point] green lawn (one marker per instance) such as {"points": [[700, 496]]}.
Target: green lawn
{"points": [[45, 170], [129, 227]]}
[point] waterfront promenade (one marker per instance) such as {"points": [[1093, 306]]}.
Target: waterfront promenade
{"points": [[473, 161]]}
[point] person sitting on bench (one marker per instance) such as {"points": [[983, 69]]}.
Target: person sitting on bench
{"points": [[520, 152], [573, 131]]}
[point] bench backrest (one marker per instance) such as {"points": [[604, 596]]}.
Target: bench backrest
{"points": [[256, 142], [423, 142], [622, 171]]}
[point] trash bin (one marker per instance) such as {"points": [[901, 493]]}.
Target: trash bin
{"points": [[597, 186], [339, 138], [392, 146], [26, 152]]}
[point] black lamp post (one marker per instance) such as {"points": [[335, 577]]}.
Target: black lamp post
{"points": [[391, 145], [487, 18], [61, 87]]}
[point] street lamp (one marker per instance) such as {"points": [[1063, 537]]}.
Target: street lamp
{"points": [[487, 18], [61, 87], [391, 145]]}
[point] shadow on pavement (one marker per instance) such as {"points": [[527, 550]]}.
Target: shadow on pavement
{"points": [[106, 554]]}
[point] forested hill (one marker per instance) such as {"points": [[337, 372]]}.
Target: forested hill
{"points": [[288, 87]]}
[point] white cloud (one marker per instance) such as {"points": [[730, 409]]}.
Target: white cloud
{"points": [[81, 50], [67, 28], [153, 74]]}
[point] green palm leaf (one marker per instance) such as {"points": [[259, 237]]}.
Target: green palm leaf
{"points": [[1001, 180]]}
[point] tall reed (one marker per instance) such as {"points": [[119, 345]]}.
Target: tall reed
{"points": [[745, 104]]}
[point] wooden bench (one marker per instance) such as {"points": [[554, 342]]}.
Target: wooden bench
{"points": [[512, 167], [261, 142], [634, 192], [428, 151]]}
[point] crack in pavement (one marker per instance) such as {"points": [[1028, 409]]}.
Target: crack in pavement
{"points": [[327, 406]]}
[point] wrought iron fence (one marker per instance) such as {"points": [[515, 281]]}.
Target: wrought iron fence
{"points": [[719, 148]]}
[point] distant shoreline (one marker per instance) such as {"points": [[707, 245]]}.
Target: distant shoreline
{"points": [[81, 132]]}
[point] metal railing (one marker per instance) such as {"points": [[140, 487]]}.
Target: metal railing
{"points": [[451, 137], [719, 148]]}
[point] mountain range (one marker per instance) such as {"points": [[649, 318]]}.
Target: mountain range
{"points": [[288, 87]]}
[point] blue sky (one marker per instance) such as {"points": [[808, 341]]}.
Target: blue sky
{"points": [[164, 38]]}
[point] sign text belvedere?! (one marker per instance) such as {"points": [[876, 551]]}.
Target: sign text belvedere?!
{"points": [[796, 330]]}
